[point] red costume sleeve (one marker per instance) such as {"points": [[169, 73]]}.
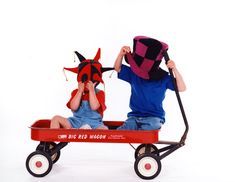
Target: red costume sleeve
{"points": [[101, 98]]}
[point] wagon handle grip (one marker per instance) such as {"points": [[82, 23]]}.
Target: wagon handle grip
{"points": [[184, 136]]}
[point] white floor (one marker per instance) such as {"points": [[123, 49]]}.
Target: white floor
{"points": [[37, 41]]}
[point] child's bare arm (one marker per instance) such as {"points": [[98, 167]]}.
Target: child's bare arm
{"points": [[94, 103], [118, 62], [179, 79], [75, 102]]}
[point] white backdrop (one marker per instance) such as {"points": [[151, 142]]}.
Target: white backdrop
{"points": [[37, 39]]}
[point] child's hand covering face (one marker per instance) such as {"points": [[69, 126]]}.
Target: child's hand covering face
{"points": [[90, 86]]}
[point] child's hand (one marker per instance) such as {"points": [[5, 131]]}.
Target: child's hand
{"points": [[171, 64], [124, 50], [90, 86], [81, 87]]}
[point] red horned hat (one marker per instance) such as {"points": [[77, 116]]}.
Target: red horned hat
{"points": [[89, 69]]}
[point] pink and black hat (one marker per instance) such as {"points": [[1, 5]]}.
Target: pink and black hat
{"points": [[146, 58]]}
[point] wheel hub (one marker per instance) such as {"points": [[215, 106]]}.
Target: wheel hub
{"points": [[38, 164], [147, 166]]}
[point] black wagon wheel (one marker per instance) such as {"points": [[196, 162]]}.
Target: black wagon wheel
{"points": [[141, 149], [39, 164], [55, 157], [147, 166]]}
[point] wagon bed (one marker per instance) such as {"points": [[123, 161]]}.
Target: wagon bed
{"points": [[41, 131]]}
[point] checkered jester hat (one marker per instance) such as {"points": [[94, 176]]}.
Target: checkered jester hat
{"points": [[146, 58]]}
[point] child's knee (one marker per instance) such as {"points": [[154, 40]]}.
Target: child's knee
{"points": [[56, 118]]}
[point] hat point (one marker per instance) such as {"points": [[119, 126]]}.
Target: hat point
{"points": [[80, 57], [97, 56]]}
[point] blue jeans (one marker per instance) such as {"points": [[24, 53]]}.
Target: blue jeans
{"points": [[142, 123]]}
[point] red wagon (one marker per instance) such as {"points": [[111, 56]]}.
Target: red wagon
{"points": [[148, 154]]}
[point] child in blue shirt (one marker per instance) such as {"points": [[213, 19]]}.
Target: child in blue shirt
{"points": [[147, 89]]}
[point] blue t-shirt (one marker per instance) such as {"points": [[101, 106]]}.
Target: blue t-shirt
{"points": [[146, 95]]}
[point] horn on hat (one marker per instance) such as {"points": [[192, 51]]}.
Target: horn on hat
{"points": [[74, 70], [106, 69], [97, 56], [80, 57]]}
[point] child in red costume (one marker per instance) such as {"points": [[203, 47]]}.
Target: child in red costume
{"points": [[87, 102]]}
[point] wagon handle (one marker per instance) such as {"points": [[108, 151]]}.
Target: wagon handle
{"points": [[184, 136]]}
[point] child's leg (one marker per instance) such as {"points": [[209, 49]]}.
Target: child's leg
{"points": [[129, 124], [58, 121], [150, 123]]}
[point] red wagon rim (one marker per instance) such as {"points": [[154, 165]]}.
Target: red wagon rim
{"points": [[41, 131]]}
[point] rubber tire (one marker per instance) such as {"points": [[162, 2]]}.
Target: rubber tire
{"points": [[45, 157], [140, 162]]}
